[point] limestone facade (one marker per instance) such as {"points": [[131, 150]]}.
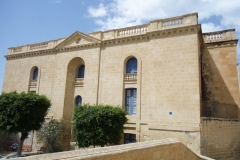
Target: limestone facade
{"points": [[182, 75]]}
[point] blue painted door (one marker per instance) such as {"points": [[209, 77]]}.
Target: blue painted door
{"points": [[131, 100]]}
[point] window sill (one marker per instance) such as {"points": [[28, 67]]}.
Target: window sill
{"points": [[79, 82]]}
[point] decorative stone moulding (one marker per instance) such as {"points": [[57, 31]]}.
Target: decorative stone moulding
{"points": [[219, 44], [133, 30], [18, 49], [79, 82], [173, 23], [38, 46], [174, 31], [29, 54], [33, 85]]}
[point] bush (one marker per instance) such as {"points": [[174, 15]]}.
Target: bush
{"points": [[98, 125], [51, 133]]}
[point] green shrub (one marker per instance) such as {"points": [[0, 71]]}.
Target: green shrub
{"points": [[51, 133], [98, 125]]}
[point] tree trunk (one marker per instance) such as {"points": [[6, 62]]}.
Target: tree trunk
{"points": [[23, 137]]}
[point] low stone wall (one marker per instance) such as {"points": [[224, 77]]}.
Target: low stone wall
{"points": [[164, 149], [220, 138]]}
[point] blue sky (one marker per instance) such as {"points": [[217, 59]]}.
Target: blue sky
{"points": [[31, 21]]}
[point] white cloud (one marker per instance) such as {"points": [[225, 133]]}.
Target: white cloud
{"points": [[122, 13], [100, 11], [210, 27]]}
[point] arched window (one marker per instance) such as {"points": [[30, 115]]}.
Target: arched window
{"points": [[81, 71], [35, 74], [131, 66], [78, 100]]}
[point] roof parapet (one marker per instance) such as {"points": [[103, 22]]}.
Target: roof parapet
{"points": [[217, 36]]}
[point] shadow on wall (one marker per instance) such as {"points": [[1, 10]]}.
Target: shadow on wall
{"points": [[72, 69], [217, 101]]}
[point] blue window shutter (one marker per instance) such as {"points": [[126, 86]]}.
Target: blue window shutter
{"points": [[131, 101], [131, 66], [81, 71], [35, 74], [78, 100]]}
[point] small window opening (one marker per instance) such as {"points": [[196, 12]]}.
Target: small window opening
{"points": [[81, 71], [35, 74], [78, 100]]}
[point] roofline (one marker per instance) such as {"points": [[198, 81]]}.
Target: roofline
{"points": [[233, 29]]}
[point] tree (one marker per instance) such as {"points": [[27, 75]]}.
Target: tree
{"points": [[22, 113], [98, 125], [51, 134]]}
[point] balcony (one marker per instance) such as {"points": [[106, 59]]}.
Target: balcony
{"points": [[130, 77]]}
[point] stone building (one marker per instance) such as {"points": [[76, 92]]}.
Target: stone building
{"points": [[172, 79]]}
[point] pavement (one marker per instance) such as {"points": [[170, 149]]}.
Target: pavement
{"points": [[9, 153]]}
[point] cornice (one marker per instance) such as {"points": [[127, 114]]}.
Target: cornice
{"points": [[123, 40], [220, 44], [78, 47], [174, 31], [30, 54]]}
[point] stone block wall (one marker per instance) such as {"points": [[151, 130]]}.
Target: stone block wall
{"points": [[220, 85], [220, 138]]}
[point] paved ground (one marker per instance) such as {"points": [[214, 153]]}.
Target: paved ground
{"points": [[9, 153]]}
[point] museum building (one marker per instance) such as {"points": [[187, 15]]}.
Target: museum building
{"points": [[173, 80]]}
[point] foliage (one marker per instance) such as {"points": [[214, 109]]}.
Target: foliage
{"points": [[22, 112], [98, 125], [51, 134]]}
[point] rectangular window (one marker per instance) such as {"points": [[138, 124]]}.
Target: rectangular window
{"points": [[129, 138], [131, 100]]}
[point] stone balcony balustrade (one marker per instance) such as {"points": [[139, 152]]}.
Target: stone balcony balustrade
{"points": [[130, 77]]}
